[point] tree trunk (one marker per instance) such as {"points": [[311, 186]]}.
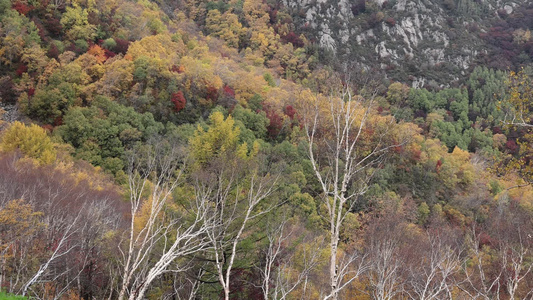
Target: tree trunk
{"points": [[333, 266]]}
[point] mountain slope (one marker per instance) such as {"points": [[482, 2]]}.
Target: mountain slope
{"points": [[430, 43]]}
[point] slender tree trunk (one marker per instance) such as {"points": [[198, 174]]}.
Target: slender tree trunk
{"points": [[333, 264]]}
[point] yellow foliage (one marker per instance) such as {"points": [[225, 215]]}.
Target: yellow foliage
{"points": [[50, 68], [457, 169], [31, 140], [143, 216], [255, 12], [220, 137], [520, 89], [521, 36], [2, 112], [20, 220], [117, 77], [201, 71], [225, 26], [160, 47], [434, 150], [247, 87], [35, 58]]}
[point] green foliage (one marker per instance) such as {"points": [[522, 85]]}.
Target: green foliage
{"points": [[218, 5], [397, 93], [81, 44], [269, 79], [423, 213], [76, 24], [18, 33], [109, 44], [102, 132], [256, 122], [486, 86], [4, 296], [4, 6], [64, 89]]}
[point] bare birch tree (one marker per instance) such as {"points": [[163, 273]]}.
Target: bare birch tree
{"points": [[431, 276], [501, 260], [235, 189], [157, 170], [480, 281], [343, 153], [281, 273], [384, 275], [62, 221], [385, 240]]}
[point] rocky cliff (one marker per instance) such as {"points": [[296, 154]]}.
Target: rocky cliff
{"points": [[426, 42]]}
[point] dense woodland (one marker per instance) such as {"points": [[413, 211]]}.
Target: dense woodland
{"points": [[207, 150]]}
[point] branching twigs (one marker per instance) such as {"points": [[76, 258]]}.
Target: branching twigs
{"points": [[433, 276], [281, 274], [342, 155], [234, 200], [63, 248], [157, 169]]}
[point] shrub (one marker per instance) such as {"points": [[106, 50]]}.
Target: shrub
{"points": [[109, 44]]}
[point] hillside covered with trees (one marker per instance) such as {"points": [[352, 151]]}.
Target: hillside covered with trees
{"points": [[195, 149]]}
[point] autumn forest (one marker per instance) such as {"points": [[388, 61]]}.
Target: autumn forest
{"points": [[195, 149]]}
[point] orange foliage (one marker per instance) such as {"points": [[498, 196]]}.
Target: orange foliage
{"points": [[98, 52]]}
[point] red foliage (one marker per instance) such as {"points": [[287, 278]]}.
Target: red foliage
{"points": [[58, 121], [485, 239], [273, 13], [74, 49], [177, 69], [229, 91], [21, 69], [48, 127], [416, 154], [122, 46], [294, 39], [368, 132], [276, 123], [496, 130], [31, 92], [358, 7], [53, 25], [390, 21], [437, 167], [179, 101], [511, 146], [53, 52], [290, 111], [43, 33], [109, 54], [22, 8], [212, 94], [420, 114], [398, 149]]}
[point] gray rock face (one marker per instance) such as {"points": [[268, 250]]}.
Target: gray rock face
{"points": [[415, 38], [8, 114]]}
